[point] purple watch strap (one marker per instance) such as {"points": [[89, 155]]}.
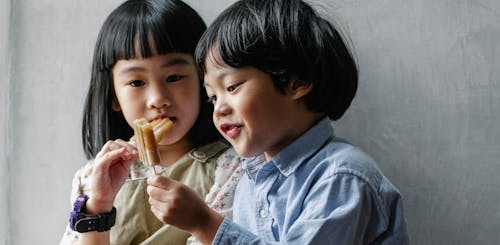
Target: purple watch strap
{"points": [[82, 222], [79, 205]]}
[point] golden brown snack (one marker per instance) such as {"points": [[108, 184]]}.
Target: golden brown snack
{"points": [[147, 135], [139, 139], [150, 146], [160, 127]]}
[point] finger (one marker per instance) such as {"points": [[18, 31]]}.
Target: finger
{"points": [[158, 194], [109, 146], [108, 158], [105, 148], [161, 182], [132, 149], [128, 153], [160, 214]]}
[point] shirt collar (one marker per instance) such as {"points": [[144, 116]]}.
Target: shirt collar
{"points": [[252, 165], [290, 158]]}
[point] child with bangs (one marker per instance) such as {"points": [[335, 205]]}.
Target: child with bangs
{"points": [[143, 67]]}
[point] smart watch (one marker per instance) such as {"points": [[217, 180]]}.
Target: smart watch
{"points": [[81, 222]]}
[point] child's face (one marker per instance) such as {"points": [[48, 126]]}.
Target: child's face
{"points": [[157, 87], [249, 111]]}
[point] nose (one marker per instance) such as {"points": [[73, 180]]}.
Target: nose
{"points": [[221, 108], [158, 96]]}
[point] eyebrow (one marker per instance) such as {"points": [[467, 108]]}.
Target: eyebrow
{"points": [[170, 63], [221, 74]]}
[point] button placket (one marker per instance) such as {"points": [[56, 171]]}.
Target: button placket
{"points": [[263, 213], [263, 183]]}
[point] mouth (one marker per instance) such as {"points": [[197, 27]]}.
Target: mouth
{"points": [[231, 130], [173, 119]]}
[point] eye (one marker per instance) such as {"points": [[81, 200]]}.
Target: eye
{"points": [[212, 99], [136, 83], [231, 88], [174, 78]]}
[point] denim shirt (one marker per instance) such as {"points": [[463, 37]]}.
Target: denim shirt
{"points": [[318, 190]]}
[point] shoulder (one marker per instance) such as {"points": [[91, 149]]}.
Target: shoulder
{"points": [[340, 158], [228, 158], [209, 152], [227, 174], [228, 167], [341, 161]]}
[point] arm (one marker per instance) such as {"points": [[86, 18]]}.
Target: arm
{"points": [[70, 237], [110, 170], [176, 204]]}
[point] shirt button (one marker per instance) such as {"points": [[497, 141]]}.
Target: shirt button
{"points": [[263, 213], [199, 154]]}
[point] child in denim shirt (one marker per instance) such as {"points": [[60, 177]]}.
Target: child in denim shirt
{"points": [[277, 74]]}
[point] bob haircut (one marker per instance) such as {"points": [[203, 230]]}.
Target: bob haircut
{"points": [[289, 41], [173, 27]]}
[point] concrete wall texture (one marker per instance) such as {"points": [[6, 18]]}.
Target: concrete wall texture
{"points": [[427, 109], [4, 93]]}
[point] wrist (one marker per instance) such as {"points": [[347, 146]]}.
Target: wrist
{"points": [[82, 221], [94, 206], [206, 231]]}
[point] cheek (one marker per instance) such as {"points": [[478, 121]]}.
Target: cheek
{"points": [[130, 112], [263, 114], [189, 99]]}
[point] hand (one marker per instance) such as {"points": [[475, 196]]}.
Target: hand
{"points": [[111, 169], [176, 204]]}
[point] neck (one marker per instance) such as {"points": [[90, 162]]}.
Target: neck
{"points": [[171, 153], [297, 129]]}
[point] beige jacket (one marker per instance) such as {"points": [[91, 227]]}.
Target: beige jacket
{"points": [[135, 223]]}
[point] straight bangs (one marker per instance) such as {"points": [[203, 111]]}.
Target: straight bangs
{"points": [[137, 29]]}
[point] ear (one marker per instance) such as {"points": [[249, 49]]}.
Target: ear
{"points": [[115, 105], [297, 89]]}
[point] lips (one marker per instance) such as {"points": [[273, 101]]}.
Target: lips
{"points": [[231, 130], [163, 116]]}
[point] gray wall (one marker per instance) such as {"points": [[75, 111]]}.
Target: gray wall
{"points": [[51, 46], [427, 109], [4, 91]]}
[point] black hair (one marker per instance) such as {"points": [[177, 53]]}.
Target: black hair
{"points": [[289, 41], [174, 27]]}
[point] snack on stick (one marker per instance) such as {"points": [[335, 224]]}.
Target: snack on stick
{"points": [[160, 127], [150, 147], [147, 136], [139, 139]]}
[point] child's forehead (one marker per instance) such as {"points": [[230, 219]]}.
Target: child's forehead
{"points": [[215, 60], [147, 42], [214, 70]]}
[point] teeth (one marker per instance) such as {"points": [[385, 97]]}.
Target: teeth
{"points": [[146, 137]]}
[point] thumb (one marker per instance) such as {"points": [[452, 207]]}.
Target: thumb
{"points": [[160, 181]]}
